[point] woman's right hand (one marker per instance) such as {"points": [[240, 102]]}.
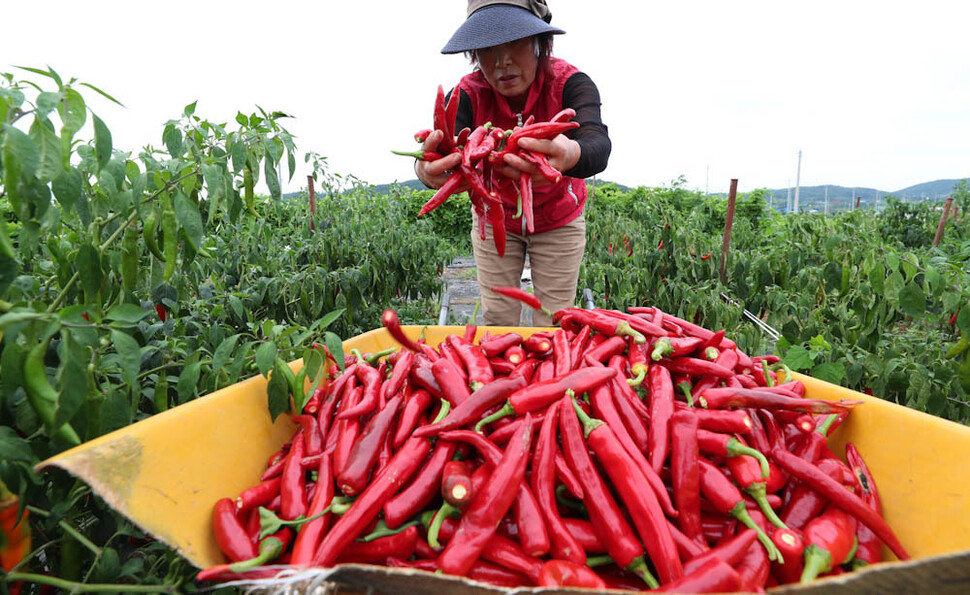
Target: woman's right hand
{"points": [[435, 173]]}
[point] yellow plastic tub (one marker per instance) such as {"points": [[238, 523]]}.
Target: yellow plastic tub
{"points": [[165, 473]]}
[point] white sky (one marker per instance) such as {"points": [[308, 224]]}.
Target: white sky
{"points": [[874, 94]]}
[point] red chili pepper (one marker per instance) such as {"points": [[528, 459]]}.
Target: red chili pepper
{"points": [[685, 474], [422, 489], [311, 532], [377, 551], [476, 363], [541, 394], [627, 399], [792, 547], [564, 546], [312, 438], [598, 353], [365, 508], [723, 398], [754, 568], [869, 550], [661, 408], [393, 325], [525, 297], [539, 344], [353, 477], [501, 550], [751, 474], [231, 535], [604, 513], [480, 570], [725, 421], [293, 495], [453, 385], [497, 345], [541, 161], [841, 497], [804, 503], [541, 130], [727, 499], [456, 484], [564, 573], [533, 533], [440, 119], [258, 495], [829, 542], [416, 404], [672, 347], [715, 576], [479, 521], [600, 323], [471, 410], [636, 493], [159, 308], [345, 433], [269, 549], [370, 396], [731, 551]]}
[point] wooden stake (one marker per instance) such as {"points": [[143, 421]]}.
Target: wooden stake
{"points": [[313, 203], [728, 224], [939, 228]]}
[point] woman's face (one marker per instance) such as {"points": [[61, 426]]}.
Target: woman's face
{"points": [[510, 68]]}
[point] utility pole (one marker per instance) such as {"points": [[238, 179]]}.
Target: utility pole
{"points": [[798, 176]]}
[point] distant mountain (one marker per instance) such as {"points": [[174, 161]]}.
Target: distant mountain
{"points": [[809, 197]]}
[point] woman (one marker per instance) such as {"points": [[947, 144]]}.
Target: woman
{"points": [[516, 76]]}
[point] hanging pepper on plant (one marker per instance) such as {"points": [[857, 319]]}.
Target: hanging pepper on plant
{"points": [[15, 534]]}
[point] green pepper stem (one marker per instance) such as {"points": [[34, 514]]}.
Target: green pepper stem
{"points": [[568, 502], [270, 548], [641, 373], [434, 528], [685, 388], [623, 328], [382, 530], [505, 411], [757, 490], [817, 561], [596, 561], [589, 424], [769, 381], [661, 348], [442, 411], [826, 425], [739, 512], [735, 448], [639, 568]]}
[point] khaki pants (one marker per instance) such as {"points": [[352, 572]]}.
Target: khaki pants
{"points": [[554, 256]]}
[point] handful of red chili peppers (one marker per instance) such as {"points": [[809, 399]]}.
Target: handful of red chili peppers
{"points": [[627, 450], [481, 149]]}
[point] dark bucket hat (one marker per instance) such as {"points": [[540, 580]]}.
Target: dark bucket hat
{"points": [[491, 23]]}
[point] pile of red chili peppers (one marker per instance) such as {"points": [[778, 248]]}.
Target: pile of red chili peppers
{"points": [[627, 450], [481, 149]]}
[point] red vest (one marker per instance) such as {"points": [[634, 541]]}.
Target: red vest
{"points": [[555, 204]]}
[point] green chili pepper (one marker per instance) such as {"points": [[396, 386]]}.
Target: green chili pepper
{"points": [[150, 232], [129, 258], [170, 231], [42, 395]]}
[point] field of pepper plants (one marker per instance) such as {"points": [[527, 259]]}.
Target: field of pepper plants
{"points": [[132, 281]]}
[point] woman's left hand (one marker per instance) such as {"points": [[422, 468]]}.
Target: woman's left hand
{"points": [[562, 153]]}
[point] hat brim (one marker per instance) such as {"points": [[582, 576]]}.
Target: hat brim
{"points": [[494, 25]]}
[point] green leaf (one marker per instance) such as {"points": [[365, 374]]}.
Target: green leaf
{"points": [[15, 317], [172, 137], [221, 356], [48, 145], [73, 380], [963, 319], [272, 179], [11, 369], [67, 187], [239, 153], [129, 354], [336, 347], [23, 148], [14, 448], [128, 314], [116, 412], [329, 318], [266, 357], [188, 383], [215, 185], [190, 108], [912, 300], [89, 267], [102, 141], [73, 114], [190, 219], [798, 358], [278, 394], [832, 372]]}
